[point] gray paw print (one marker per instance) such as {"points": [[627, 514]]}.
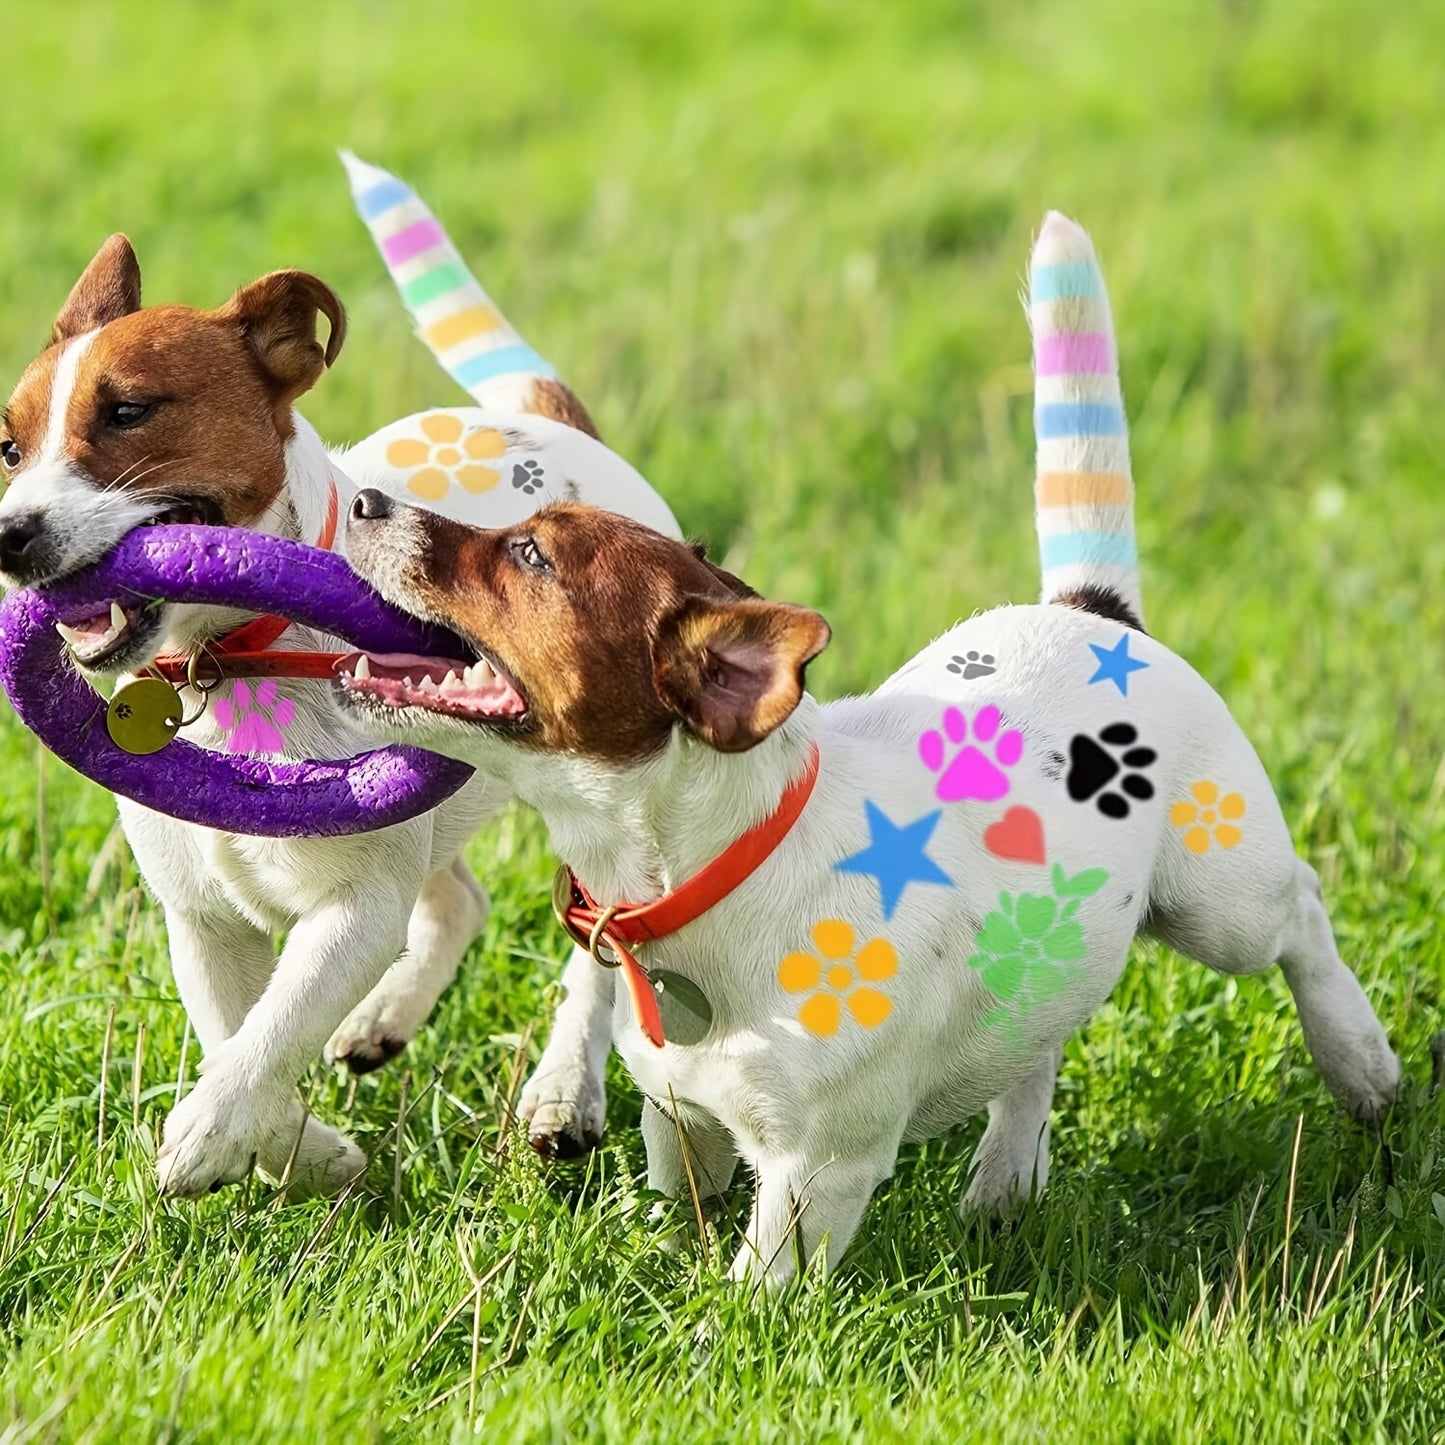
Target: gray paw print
{"points": [[527, 477]]}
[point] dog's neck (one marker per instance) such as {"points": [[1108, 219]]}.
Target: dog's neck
{"points": [[632, 834], [299, 509]]}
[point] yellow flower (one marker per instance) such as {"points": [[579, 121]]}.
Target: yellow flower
{"points": [[1208, 818], [442, 455], [822, 1013]]}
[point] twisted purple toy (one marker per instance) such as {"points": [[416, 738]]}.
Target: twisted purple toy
{"points": [[227, 567]]}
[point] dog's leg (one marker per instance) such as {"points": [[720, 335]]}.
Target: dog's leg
{"points": [[564, 1103], [244, 1105], [1011, 1163], [1346, 1039], [221, 966], [805, 1206], [710, 1151], [449, 913], [1275, 915]]}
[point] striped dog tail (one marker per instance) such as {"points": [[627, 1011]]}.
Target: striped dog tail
{"points": [[460, 324], [1084, 493]]}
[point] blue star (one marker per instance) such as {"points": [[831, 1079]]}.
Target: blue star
{"points": [[896, 857], [1115, 664]]}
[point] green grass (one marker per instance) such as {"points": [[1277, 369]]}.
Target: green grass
{"points": [[778, 251]]}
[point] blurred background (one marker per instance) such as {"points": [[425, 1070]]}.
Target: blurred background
{"points": [[778, 250]]}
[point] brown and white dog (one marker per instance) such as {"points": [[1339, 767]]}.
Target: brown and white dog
{"points": [[136, 415]]}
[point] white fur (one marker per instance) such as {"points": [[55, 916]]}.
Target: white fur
{"points": [[818, 1120]]}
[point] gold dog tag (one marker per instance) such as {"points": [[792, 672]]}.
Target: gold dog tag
{"points": [[143, 716]]}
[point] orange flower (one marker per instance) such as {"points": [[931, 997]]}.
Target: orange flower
{"points": [[822, 1013], [1209, 818], [442, 455]]}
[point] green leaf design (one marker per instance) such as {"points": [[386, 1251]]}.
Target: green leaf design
{"points": [[1036, 914], [1060, 878], [1066, 943], [1081, 885], [1068, 910], [1004, 977], [998, 935]]}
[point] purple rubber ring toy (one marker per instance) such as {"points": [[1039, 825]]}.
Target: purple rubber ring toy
{"points": [[229, 567]]}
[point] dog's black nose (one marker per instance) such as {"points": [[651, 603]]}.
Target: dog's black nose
{"points": [[371, 506], [23, 552]]}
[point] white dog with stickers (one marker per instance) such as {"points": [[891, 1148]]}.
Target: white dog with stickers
{"points": [[849, 925]]}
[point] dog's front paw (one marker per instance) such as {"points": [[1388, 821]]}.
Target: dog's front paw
{"points": [[564, 1108], [309, 1157], [211, 1138]]}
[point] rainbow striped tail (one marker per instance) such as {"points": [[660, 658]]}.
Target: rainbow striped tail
{"points": [[1084, 492], [456, 319]]}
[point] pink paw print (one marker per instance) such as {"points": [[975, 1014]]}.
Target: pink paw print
{"points": [[254, 725], [971, 775]]}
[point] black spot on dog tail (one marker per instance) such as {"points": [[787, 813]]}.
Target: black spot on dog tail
{"points": [[1102, 601]]}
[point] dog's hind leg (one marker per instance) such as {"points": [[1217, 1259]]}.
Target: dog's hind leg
{"points": [[1011, 1163], [564, 1103], [449, 913], [1344, 1036], [1270, 911]]}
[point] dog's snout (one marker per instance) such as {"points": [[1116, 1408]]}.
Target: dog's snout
{"points": [[371, 506], [24, 553]]}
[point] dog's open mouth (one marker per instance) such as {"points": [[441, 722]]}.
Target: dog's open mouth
{"points": [[106, 634], [477, 692]]}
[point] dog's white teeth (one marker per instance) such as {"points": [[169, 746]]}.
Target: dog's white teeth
{"points": [[118, 621], [480, 673], [406, 680], [451, 680], [69, 634], [362, 672]]}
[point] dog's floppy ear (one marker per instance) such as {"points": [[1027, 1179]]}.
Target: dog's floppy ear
{"points": [[733, 671], [277, 315], [108, 289]]}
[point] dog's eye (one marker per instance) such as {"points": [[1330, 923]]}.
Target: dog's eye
{"points": [[9, 454], [526, 553], [126, 414]]}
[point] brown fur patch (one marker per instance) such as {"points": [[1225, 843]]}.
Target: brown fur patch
{"points": [[622, 635], [1102, 601], [561, 403]]}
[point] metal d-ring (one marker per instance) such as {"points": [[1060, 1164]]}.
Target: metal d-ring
{"points": [[594, 941], [197, 685]]}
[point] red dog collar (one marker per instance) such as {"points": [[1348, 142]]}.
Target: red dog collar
{"points": [[620, 924]]}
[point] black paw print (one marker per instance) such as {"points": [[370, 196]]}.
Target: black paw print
{"points": [[973, 664], [527, 477], [1092, 766]]}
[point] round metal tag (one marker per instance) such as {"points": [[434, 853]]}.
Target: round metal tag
{"points": [[143, 716], [686, 1013]]}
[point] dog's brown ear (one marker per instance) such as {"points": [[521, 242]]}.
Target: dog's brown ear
{"points": [[277, 315], [733, 671], [108, 289]]}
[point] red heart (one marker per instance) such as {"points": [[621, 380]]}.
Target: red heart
{"points": [[1018, 835]]}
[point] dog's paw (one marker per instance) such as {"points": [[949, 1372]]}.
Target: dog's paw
{"points": [[1369, 1085], [376, 1031], [564, 1108], [1007, 1173], [211, 1138], [323, 1161]]}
